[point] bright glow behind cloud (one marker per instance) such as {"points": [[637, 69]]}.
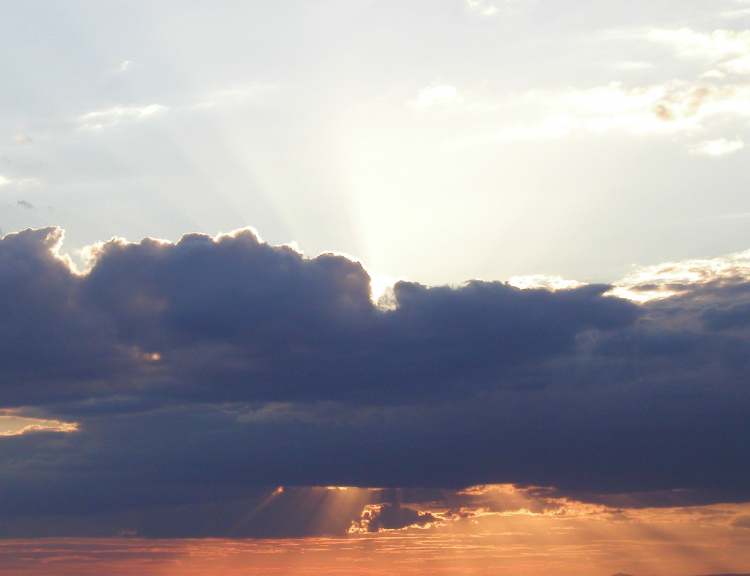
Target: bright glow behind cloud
{"points": [[11, 425], [673, 278]]}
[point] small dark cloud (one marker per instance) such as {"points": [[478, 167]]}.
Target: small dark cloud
{"points": [[25, 204], [380, 517]]}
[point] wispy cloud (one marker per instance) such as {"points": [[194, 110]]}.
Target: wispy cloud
{"points": [[736, 13], [673, 278], [546, 282], [634, 65], [110, 117], [718, 147], [233, 95], [125, 65], [12, 425], [483, 7], [22, 139], [729, 49], [436, 95], [17, 182], [672, 108]]}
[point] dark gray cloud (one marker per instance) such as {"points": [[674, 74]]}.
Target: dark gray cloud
{"points": [[239, 320], [393, 517], [205, 373]]}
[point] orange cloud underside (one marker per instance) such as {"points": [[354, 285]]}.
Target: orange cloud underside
{"points": [[581, 542], [14, 425]]}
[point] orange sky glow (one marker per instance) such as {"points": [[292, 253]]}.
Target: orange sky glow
{"points": [[570, 539]]}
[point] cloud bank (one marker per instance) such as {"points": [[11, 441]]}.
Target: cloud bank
{"points": [[200, 373]]}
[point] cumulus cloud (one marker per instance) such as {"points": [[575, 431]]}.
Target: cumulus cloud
{"points": [[202, 372], [311, 322]]}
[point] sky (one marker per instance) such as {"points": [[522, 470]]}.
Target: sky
{"points": [[374, 287]]}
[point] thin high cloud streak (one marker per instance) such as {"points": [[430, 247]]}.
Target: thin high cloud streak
{"points": [[202, 372]]}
